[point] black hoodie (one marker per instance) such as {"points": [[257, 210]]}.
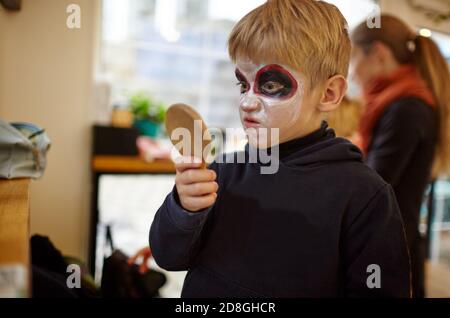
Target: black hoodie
{"points": [[324, 225]]}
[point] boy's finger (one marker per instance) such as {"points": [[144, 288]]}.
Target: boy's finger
{"points": [[199, 203], [184, 162], [195, 175], [198, 189]]}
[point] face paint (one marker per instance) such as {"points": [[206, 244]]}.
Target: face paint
{"points": [[242, 81], [276, 82], [271, 96]]}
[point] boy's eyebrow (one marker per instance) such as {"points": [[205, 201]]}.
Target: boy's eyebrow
{"points": [[239, 74]]}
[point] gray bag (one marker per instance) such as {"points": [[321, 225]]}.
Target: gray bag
{"points": [[23, 149]]}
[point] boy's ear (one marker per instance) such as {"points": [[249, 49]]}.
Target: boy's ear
{"points": [[334, 90]]}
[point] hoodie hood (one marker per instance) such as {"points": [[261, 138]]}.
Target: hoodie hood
{"points": [[326, 151], [319, 147]]}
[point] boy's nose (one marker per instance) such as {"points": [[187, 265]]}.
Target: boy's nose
{"points": [[250, 104]]}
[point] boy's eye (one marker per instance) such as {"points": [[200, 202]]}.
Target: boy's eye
{"points": [[276, 82], [242, 81], [244, 86], [271, 87]]}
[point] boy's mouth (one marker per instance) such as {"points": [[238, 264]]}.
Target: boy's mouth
{"points": [[250, 122]]}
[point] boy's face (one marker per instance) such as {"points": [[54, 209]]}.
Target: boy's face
{"points": [[272, 96]]}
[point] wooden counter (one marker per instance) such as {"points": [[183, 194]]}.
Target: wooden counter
{"points": [[130, 164], [14, 236]]}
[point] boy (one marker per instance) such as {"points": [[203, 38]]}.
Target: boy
{"points": [[323, 225]]}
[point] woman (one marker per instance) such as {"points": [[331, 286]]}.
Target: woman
{"points": [[404, 129]]}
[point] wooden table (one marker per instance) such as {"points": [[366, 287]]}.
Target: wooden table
{"points": [[14, 236], [130, 164], [116, 165]]}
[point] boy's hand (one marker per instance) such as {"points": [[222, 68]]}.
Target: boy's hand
{"points": [[196, 186]]}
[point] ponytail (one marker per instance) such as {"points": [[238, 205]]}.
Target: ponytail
{"points": [[434, 70]]}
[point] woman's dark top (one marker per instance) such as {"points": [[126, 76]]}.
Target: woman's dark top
{"points": [[402, 152]]}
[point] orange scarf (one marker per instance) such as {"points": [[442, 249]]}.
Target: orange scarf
{"points": [[382, 92]]}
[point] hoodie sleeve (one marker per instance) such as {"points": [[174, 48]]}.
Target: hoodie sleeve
{"points": [[375, 254], [175, 232]]}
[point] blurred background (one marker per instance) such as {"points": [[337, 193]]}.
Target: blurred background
{"points": [[100, 92]]}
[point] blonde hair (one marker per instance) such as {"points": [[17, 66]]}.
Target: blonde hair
{"points": [[345, 119], [309, 36], [410, 48]]}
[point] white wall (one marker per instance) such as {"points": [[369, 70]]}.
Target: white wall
{"points": [[417, 18], [46, 78]]}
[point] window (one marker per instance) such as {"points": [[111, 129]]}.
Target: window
{"points": [[176, 50]]}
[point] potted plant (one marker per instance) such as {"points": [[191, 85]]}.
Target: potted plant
{"points": [[148, 115]]}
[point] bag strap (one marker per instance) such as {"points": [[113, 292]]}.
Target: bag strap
{"points": [[109, 239]]}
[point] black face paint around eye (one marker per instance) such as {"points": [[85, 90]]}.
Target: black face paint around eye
{"points": [[242, 81], [275, 81]]}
